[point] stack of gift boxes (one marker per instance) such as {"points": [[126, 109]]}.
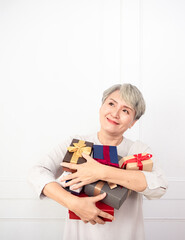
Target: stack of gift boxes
{"points": [[115, 194]]}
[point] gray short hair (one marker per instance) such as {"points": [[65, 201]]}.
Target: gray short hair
{"points": [[131, 96]]}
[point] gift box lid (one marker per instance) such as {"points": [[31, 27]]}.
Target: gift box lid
{"points": [[71, 155], [106, 154]]}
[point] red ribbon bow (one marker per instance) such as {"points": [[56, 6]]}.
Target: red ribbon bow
{"points": [[138, 158]]}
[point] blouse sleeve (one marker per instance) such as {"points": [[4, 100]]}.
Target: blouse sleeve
{"points": [[156, 181], [46, 170]]}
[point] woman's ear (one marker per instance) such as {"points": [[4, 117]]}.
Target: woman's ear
{"points": [[132, 123]]}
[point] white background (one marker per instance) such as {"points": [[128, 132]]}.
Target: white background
{"points": [[56, 59]]}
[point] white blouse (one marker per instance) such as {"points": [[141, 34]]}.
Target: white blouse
{"points": [[128, 223]]}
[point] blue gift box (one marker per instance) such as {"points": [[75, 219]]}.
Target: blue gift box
{"points": [[106, 155]]}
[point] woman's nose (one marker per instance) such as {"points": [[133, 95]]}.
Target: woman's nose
{"points": [[115, 113]]}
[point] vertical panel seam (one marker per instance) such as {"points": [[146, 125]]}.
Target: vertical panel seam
{"points": [[140, 55]]}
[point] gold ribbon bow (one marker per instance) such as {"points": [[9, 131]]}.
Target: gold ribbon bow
{"points": [[98, 187], [78, 149]]}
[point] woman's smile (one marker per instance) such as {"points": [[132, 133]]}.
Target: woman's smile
{"points": [[112, 122]]}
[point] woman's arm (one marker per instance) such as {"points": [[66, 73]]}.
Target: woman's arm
{"points": [[151, 184], [92, 171], [134, 180], [42, 177], [84, 207]]}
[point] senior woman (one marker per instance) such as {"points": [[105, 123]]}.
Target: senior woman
{"points": [[122, 106]]}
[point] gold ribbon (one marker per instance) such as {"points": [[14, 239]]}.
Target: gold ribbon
{"points": [[112, 185], [98, 187], [78, 149]]}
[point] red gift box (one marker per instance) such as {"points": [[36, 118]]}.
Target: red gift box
{"points": [[104, 207]]}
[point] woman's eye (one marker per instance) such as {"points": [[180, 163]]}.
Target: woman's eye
{"points": [[124, 110], [111, 104]]}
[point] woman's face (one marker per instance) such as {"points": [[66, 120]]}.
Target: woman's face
{"points": [[115, 115]]}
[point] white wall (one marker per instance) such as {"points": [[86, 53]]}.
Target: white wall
{"points": [[56, 58], [155, 50]]}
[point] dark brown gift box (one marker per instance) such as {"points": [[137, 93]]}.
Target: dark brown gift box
{"points": [[114, 198], [70, 155]]}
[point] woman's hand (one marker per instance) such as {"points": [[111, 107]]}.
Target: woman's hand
{"points": [[88, 172], [86, 209]]}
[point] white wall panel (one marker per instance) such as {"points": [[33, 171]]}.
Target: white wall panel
{"points": [[31, 229], [56, 60], [130, 39], [28, 208], [130, 51], [161, 229], [152, 57], [163, 81], [56, 55], [163, 74]]}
